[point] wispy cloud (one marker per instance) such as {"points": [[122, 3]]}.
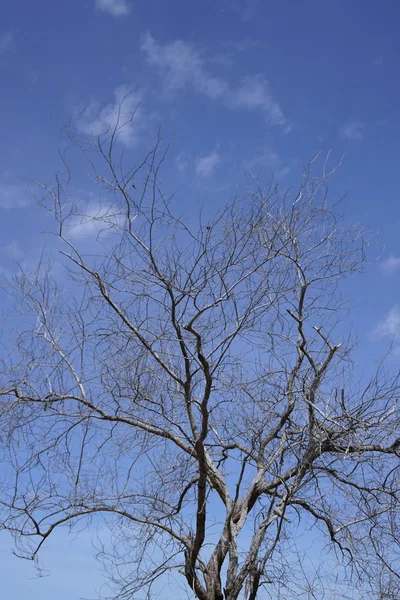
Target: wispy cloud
{"points": [[183, 67], [254, 93], [95, 219], [352, 130], [246, 9], [13, 195], [182, 161], [267, 161], [206, 165], [116, 8], [125, 116], [6, 42], [390, 264], [34, 76], [238, 46], [390, 325], [246, 44]]}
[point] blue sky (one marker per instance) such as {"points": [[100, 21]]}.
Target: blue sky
{"points": [[237, 85]]}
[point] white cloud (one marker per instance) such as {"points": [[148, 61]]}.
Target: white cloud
{"points": [[390, 325], [116, 8], [239, 46], [125, 116], [246, 44], [182, 161], [13, 195], [34, 76], [352, 130], [282, 173], [206, 165], [267, 161], [6, 42], [94, 220], [254, 93], [390, 264], [184, 68], [266, 158], [246, 9]]}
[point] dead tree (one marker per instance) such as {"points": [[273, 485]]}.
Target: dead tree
{"points": [[191, 382]]}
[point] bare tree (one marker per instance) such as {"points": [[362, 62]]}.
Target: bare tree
{"points": [[192, 384]]}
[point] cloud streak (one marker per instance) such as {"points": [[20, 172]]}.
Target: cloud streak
{"points": [[390, 265], [352, 130], [246, 9], [390, 325], [206, 165], [182, 67], [95, 220], [182, 161], [116, 8], [125, 116], [267, 161]]}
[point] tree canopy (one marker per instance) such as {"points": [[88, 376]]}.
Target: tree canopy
{"points": [[192, 383]]}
